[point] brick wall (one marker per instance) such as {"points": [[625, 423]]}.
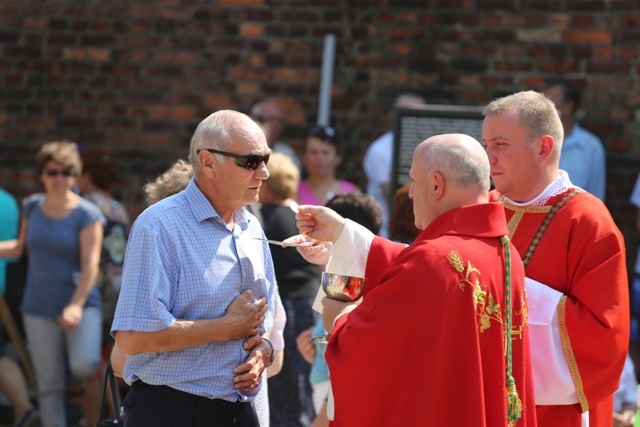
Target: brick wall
{"points": [[139, 75]]}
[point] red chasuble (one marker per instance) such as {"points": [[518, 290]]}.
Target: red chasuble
{"points": [[580, 253], [426, 347]]}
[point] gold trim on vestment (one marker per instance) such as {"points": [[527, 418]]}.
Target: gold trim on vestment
{"points": [[519, 212], [568, 352], [551, 213]]}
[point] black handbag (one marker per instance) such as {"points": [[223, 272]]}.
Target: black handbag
{"points": [[105, 420]]}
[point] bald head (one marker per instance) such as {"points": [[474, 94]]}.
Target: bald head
{"points": [[458, 157], [448, 171]]}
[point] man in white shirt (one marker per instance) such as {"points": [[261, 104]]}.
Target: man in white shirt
{"points": [[378, 162]]}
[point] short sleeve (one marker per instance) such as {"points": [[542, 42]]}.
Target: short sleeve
{"points": [[90, 214], [29, 203]]}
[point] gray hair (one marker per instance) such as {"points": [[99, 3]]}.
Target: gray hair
{"points": [[538, 115], [212, 132], [457, 164]]}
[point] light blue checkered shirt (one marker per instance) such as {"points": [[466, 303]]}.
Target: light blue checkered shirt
{"points": [[183, 263]]}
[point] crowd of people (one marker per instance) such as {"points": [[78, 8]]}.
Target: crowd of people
{"points": [[484, 280]]}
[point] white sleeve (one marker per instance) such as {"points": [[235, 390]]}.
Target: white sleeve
{"points": [[348, 255], [276, 333], [553, 384]]}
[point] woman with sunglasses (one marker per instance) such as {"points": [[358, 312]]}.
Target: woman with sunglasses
{"points": [[62, 233], [320, 159]]}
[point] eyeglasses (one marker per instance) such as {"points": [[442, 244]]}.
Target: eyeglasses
{"points": [[251, 161], [323, 132], [54, 172]]}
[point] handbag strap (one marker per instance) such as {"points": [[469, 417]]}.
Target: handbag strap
{"points": [[110, 379]]}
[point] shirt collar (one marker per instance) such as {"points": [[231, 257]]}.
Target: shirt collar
{"points": [[202, 209], [559, 185]]}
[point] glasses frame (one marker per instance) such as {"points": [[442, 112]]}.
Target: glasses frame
{"points": [[52, 173], [247, 161]]}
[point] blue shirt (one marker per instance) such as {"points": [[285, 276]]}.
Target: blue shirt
{"points": [[9, 219], [583, 158], [182, 262], [54, 257]]}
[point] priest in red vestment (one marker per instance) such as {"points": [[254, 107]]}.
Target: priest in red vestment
{"points": [[441, 335], [574, 257]]}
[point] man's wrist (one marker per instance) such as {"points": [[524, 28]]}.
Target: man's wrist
{"points": [[272, 353]]}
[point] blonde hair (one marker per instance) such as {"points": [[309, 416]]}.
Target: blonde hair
{"points": [[63, 152], [537, 113], [284, 176], [172, 181]]}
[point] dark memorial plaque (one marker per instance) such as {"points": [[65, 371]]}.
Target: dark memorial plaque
{"points": [[414, 125]]}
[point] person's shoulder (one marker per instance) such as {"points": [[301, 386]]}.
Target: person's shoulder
{"points": [[5, 196], [91, 210], [380, 142], [587, 137], [30, 202], [8, 202], [587, 210], [166, 213], [429, 251], [348, 186]]}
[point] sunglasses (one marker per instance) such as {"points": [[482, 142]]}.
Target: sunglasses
{"points": [[251, 161], [53, 172], [323, 132]]}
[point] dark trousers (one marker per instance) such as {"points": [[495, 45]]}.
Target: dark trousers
{"points": [[290, 393], [161, 406]]}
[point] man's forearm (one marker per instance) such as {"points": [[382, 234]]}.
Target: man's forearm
{"points": [[181, 334]]}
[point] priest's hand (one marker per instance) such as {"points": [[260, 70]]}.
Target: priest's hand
{"points": [[332, 309], [319, 223], [315, 253]]}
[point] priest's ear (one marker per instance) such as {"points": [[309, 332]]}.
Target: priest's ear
{"points": [[437, 185], [545, 147]]}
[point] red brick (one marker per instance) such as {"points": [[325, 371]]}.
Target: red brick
{"points": [[604, 52], [12, 79], [251, 29], [87, 54], [492, 21], [403, 49], [100, 26], [406, 33], [241, 2], [597, 36], [556, 66], [35, 23]]}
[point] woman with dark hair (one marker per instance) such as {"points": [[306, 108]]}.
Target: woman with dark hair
{"points": [[321, 158]]}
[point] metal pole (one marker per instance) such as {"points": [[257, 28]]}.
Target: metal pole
{"points": [[326, 77]]}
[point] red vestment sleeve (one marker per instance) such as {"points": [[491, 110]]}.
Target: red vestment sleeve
{"points": [[382, 251]]}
